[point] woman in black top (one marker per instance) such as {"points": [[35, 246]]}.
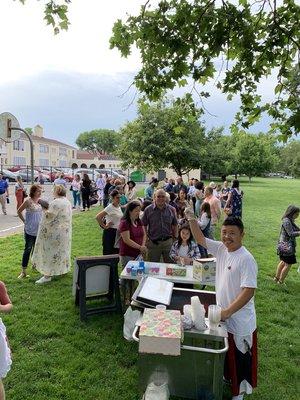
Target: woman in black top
{"points": [[86, 191], [286, 247]]}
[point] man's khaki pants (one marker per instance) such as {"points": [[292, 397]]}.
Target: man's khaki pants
{"points": [[3, 202], [160, 250]]}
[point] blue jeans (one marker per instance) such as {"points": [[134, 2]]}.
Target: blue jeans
{"points": [[76, 197], [29, 246]]}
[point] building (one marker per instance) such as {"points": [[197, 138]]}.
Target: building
{"points": [[89, 160], [3, 153], [53, 153], [47, 152]]}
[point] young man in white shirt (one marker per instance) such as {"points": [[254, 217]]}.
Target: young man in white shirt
{"points": [[236, 281]]}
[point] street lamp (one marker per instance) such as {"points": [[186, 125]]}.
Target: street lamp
{"points": [[10, 132]]}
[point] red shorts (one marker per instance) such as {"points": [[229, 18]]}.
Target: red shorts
{"points": [[240, 366]]}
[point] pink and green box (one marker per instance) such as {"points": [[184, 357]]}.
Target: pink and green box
{"points": [[161, 332]]}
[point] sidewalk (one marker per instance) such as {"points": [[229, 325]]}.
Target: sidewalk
{"points": [[11, 223]]}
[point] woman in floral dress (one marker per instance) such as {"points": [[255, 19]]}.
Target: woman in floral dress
{"points": [[233, 206], [52, 250]]}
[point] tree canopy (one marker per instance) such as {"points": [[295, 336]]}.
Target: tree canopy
{"points": [[290, 158], [98, 141], [253, 155], [56, 14], [164, 134], [235, 44], [218, 152]]}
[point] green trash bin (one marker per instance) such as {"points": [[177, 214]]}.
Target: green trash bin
{"points": [[137, 176]]}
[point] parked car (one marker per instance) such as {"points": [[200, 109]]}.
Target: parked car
{"points": [[25, 174], [50, 174], [11, 176], [288, 177], [110, 172], [92, 174]]}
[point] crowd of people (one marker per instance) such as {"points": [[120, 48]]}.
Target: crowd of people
{"points": [[173, 223]]}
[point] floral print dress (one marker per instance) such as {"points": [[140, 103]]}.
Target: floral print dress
{"points": [[236, 203], [52, 250]]}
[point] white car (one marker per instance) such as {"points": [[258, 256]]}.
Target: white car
{"points": [[92, 174], [11, 176], [109, 172]]}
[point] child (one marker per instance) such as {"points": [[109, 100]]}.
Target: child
{"points": [[236, 281], [5, 360], [184, 250]]}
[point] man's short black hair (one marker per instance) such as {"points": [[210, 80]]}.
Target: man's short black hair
{"points": [[235, 221]]}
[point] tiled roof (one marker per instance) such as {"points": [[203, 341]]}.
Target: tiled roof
{"points": [[47, 141], [85, 155]]}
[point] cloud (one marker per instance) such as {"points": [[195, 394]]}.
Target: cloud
{"points": [[66, 104]]}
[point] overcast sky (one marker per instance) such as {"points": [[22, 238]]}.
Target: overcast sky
{"points": [[73, 82]]}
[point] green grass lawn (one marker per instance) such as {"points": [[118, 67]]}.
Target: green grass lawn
{"points": [[55, 356]]}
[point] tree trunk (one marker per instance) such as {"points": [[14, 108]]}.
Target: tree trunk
{"points": [[178, 170]]}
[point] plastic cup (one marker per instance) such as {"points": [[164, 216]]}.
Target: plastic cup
{"points": [[214, 316]]}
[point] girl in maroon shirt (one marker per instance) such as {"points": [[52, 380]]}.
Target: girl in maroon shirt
{"points": [[132, 234], [5, 360]]}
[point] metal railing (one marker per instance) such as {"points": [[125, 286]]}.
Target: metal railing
{"points": [[50, 173]]}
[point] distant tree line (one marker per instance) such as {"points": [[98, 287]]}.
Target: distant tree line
{"points": [[170, 134]]}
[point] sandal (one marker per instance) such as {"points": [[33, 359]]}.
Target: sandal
{"points": [[23, 275], [279, 282]]}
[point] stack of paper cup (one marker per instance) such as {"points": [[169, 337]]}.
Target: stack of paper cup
{"points": [[198, 313]]}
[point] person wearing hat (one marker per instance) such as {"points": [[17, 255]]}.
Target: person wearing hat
{"points": [[130, 191]]}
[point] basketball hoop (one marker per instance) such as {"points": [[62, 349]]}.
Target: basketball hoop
{"points": [[8, 121]]}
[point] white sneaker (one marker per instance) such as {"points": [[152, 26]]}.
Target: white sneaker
{"points": [[154, 392], [43, 279]]}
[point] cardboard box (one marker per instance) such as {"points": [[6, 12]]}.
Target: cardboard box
{"points": [[204, 270], [175, 271], [161, 332]]}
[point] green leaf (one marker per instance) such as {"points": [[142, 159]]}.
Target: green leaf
{"points": [[182, 82]]}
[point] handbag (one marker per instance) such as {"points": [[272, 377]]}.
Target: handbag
{"points": [[285, 248]]}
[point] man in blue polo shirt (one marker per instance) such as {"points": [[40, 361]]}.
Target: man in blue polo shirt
{"points": [[3, 193]]}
